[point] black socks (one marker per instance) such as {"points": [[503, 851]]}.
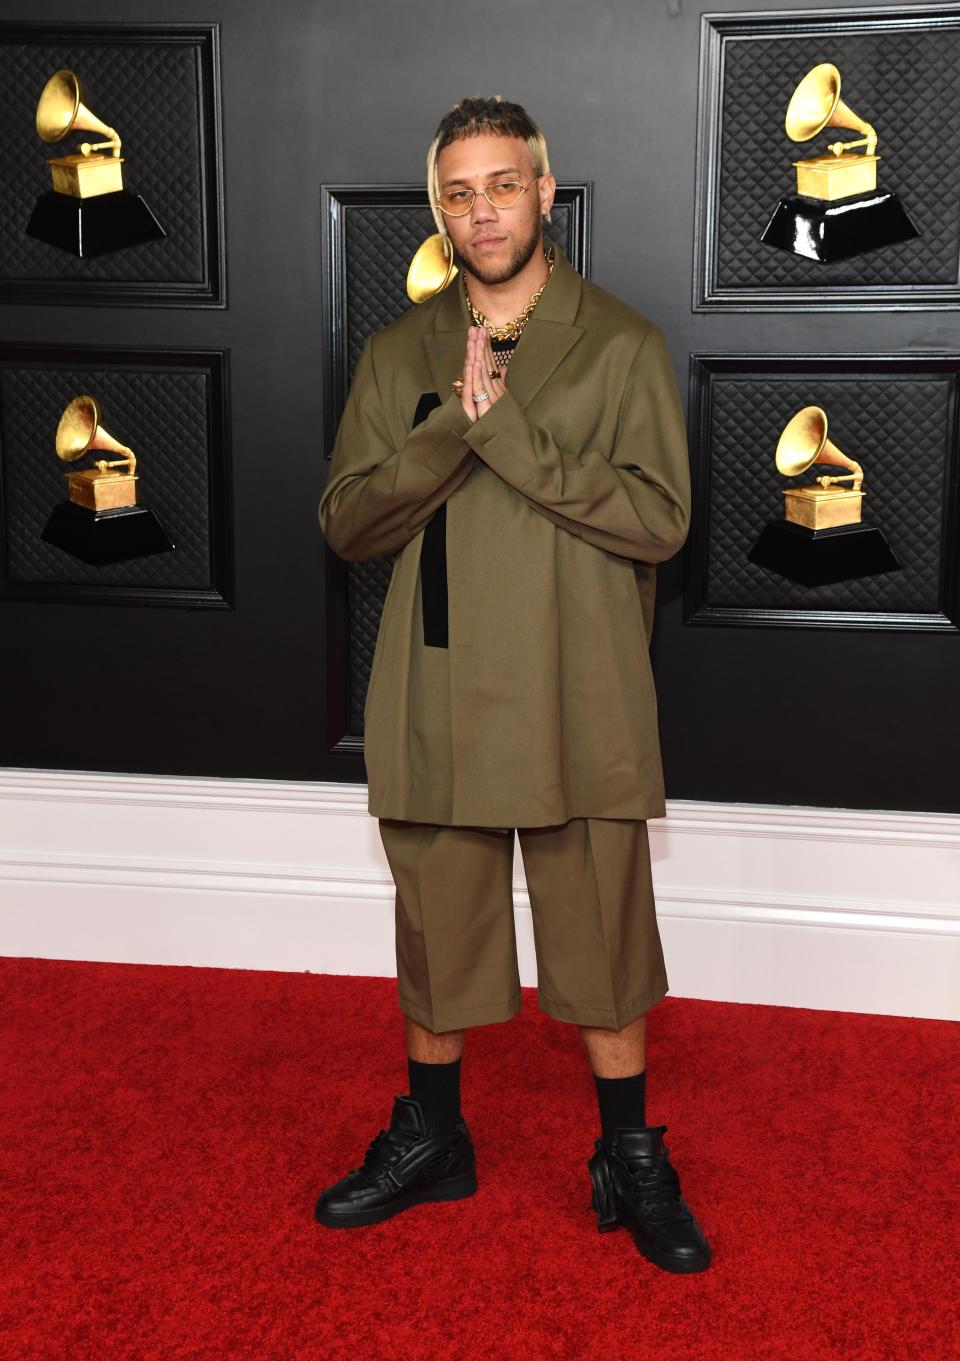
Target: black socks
{"points": [[437, 1088], [622, 1103]]}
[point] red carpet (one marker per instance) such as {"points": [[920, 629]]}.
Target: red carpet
{"points": [[165, 1132]]}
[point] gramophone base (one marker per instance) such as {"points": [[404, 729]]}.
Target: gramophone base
{"points": [[830, 231], [93, 226], [822, 557], [99, 537]]}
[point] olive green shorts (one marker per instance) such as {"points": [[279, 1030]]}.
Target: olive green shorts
{"points": [[599, 955]]}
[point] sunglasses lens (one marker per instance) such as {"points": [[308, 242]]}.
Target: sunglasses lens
{"points": [[504, 195], [456, 202]]}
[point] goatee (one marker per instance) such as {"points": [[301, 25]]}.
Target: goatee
{"points": [[501, 274]]}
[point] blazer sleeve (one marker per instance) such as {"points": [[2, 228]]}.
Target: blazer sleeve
{"points": [[634, 501], [377, 497]]}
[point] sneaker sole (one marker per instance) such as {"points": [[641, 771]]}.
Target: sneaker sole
{"points": [[681, 1265], [454, 1188], [667, 1263]]}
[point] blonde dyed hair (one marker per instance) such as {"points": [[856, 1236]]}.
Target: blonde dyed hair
{"points": [[471, 118]]}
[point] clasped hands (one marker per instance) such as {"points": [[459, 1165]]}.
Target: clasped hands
{"points": [[478, 365]]}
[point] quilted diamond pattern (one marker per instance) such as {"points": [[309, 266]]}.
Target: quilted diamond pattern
{"points": [[897, 427], [905, 84], [163, 416], [380, 240], [150, 92]]}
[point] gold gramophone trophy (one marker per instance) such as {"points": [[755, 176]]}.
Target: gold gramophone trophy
{"points": [[431, 269], [101, 521], [837, 211], [88, 211], [821, 539]]}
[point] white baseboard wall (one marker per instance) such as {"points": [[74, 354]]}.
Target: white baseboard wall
{"points": [[833, 909]]}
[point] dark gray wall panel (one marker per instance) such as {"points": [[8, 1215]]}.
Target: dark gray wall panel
{"points": [[336, 93]]}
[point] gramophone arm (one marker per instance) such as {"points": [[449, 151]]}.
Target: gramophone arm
{"points": [[129, 462], [113, 144], [870, 142], [856, 477]]}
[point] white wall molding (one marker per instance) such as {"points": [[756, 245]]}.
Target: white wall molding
{"points": [[254, 796], [786, 905], [796, 822], [317, 881]]}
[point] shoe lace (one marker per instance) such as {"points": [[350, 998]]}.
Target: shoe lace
{"points": [[656, 1188], [385, 1149]]}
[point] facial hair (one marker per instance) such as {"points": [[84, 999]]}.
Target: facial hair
{"points": [[501, 274]]}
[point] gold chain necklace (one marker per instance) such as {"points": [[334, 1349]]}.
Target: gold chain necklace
{"points": [[512, 329]]}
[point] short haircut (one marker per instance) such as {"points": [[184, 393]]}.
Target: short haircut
{"points": [[471, 118]]}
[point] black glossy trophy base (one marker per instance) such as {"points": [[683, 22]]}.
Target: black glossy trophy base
{"points": [[103, 536], [829, 231], [93, 226], [821, 557]]}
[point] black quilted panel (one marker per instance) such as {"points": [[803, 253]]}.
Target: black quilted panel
{"points": [[380, 242], [905, 83], [161, 415], [896, 427], [149, 92]]}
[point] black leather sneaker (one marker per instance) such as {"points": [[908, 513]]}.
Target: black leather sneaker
{"points": [[634, 1185], [405, 1165]]}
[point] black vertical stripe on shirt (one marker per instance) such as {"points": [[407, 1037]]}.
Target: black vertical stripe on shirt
{"points": [[433, 555]]}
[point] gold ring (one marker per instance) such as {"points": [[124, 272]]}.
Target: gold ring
{"points": [[493, 373], [457, 386]]}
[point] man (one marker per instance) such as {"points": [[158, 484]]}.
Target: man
{"points": [[517, 441]]}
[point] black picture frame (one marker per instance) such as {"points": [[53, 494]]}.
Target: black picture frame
{"points": [[197, 258], [718, 32], [795, 371], [212, 366]]}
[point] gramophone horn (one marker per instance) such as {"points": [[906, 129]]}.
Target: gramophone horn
{"points": [[816, 104], [60, 110], [80, 430], [431, 269], [804, 442]]}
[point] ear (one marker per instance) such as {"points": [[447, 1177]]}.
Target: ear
{"points": [[547, 190]]}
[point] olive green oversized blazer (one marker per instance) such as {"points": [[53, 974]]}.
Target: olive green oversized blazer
{"points": [[560, 501]]}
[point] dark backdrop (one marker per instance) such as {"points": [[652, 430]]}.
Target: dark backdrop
{"points": [[343, 93]]}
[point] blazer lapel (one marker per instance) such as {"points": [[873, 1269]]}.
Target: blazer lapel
{"points": [[446, 344], [547, 338], [549, 335], [541, 347]]}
